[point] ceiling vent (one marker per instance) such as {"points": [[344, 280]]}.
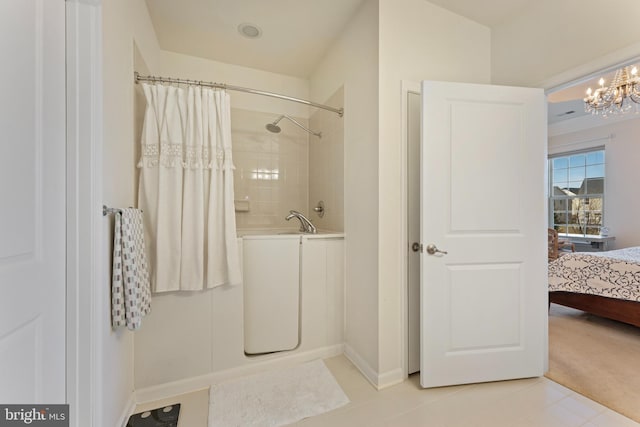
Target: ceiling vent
{"points": [[250, 31]]}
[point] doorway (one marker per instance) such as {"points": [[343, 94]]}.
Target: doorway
{"points": [[412, 115], [413, 231]]}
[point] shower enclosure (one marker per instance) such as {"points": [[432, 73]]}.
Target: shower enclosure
{"points": [[274, 173]]}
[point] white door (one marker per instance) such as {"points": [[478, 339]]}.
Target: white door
{"points": [[484, 301], [32, 202], [271, 285]]}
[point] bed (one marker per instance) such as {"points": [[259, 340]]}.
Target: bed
{"points": [[606, 284]]}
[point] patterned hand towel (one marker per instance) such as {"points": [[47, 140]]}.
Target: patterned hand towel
{"points": [[130, 288]]}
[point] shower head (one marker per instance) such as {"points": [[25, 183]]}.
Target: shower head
{"points": [[273, 127]]}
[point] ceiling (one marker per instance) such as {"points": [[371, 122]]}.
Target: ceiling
{"points": [[485, 12], [295, 33]]}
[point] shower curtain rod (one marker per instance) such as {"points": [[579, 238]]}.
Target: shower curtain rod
{"points": [[139, 78]]}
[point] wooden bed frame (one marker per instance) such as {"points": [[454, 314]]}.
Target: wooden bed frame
{"points": [[611, 308]]}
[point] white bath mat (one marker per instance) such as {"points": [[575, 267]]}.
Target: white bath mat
{"points": [[275, 398]]}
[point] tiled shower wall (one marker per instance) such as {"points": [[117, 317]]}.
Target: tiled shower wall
{"points": [[288, 170], [326, 166], [271, 175]]}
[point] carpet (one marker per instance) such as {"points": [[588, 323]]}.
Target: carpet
{"points": [[596, 357], [275, 398]]}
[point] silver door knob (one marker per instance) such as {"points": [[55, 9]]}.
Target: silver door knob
{"points": [[432, 250]]}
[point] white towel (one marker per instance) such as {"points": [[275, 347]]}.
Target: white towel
{"points": [[130, 289]]}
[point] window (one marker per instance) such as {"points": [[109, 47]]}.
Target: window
{"points": [[576, 193]]}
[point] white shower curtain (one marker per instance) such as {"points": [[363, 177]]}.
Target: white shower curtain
{"points": [[186, 188]]}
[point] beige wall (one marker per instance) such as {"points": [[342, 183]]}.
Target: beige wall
{"points": [[352, 62], [418, 41], [622, 149], [190, 67], [550, 37], [124, 22], [387, 42], [326, 166]]}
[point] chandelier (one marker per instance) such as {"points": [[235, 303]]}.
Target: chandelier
{"points": [[615, 98]]}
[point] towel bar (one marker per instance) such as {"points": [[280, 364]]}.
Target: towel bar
{"points": [[106, 210]]}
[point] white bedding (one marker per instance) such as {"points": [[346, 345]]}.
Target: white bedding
{"points": [[613, 274], [627, 254]]}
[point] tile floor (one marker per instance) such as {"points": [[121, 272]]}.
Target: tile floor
{"points": [[536, 402]]}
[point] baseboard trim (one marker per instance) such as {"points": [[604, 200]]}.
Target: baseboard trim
{"points": [[379, 381], [390, 378], [359, 362], [128, 410], [163, 391]]}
